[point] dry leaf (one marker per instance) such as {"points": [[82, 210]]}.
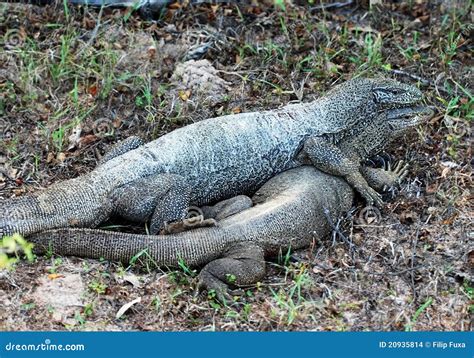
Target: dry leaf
{"points": [[88, 139], [61, 157], [450, 220], [50, 157], [445, 172], [54, 276], [92, 90], [174, 6], [126, 307], [19, 192], [184, 95]]}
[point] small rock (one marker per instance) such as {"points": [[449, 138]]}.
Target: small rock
{"points": [[200, 78], [63, 294]]}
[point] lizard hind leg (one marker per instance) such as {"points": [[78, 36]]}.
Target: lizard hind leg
{"points": [[243, 264], [226, 208], [163, 198], [209, 215]]}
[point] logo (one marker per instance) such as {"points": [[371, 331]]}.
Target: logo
{"points": [[369, 215]]}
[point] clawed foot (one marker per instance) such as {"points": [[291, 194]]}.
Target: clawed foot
{"points": [[242, 264], [187, 224], [380, 179], [371, 196], [214, 286], [396, 175]]}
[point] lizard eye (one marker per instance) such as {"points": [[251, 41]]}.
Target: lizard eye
{"points": [[397, 91], [382, 94]]}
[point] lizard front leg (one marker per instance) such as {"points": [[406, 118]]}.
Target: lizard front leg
{"points": [[383, 178], [330, 159]]}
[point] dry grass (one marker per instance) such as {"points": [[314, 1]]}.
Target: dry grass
{"points": [[72, 86]]}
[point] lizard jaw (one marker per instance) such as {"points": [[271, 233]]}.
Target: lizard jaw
{"points": [[401, 119]]}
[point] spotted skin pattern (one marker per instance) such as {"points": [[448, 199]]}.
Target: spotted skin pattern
{"points": [[215, 159], [288, 212]]}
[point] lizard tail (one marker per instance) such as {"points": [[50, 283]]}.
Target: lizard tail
{"points": [[193, 248]]}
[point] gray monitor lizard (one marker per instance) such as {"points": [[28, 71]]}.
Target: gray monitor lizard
{"points": [[288, 212], [222, 157]]}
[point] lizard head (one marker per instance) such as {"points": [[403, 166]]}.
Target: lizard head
{"points": [[399, 105], [384, 128], [401, 120], [350, 105], [383, 110], [388, 93]]}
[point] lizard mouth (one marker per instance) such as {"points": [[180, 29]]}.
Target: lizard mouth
{"points": [[410, 112], [411, 116]]}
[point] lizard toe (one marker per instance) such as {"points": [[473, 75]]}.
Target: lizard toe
{"points": [[214, 287], [372, 197]]}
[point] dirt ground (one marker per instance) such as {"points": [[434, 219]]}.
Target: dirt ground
{"points": [[75, 80]]}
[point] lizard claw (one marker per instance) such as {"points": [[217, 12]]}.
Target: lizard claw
{"points": [[400, 171], [188, 224], [371, 197], [214, 286], [395, 176], [385, 179]]}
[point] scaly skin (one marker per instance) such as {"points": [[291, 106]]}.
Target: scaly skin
{"points": [[286, 211], [220, 158], [148, 9], [289, 211]]}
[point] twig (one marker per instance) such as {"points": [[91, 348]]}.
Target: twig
{"points": [[335, 5], [413, 255], [422, 80], [7, 276], [94, 33], [337, 231]]}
